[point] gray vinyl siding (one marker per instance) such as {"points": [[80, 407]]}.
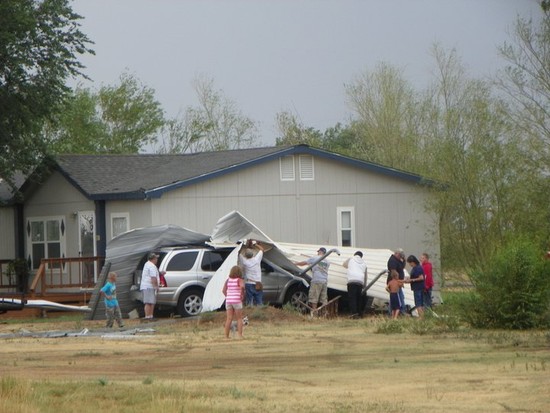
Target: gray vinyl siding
{"points": [[139, 213], [58, 198], [7, 229], [389, 213]]}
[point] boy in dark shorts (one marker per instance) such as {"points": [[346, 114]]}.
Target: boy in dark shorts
{"points": [[393, 287]]}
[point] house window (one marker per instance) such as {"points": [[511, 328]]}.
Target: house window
{"points": [[346, 226], [45, 239], [306, 168], [120, 223], [286, 164]]}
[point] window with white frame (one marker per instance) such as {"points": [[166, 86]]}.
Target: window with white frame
{"points": [[286, 165], [346, 226], [306, 168], [45, 239], [120, 223]]}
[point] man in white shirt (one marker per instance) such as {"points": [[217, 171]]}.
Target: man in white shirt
{"points": [[251, 263], [149, 285], [357, 279]]}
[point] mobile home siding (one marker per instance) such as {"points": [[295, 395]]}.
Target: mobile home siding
{"points": [[139, 213], [58, 198], [389, 212]]}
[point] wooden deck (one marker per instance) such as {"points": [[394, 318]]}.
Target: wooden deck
{"points": [[67, 281]]}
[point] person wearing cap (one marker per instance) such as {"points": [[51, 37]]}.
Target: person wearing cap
{"points": [[318, 286], [357, 279], [397, 262], [250, 260], [149, 285]]}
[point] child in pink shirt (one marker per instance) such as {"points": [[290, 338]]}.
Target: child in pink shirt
{"points": [[233, 290]]}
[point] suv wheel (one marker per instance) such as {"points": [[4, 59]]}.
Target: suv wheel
{"points": [[295, 295], [190, 303]]}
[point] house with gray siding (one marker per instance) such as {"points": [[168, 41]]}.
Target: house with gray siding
{"points": [[296, 194]]}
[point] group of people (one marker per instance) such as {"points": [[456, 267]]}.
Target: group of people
{"points": [[150, 282], [420, 280], [245, 282], [357, 279]]}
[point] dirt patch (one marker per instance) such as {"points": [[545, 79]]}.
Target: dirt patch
{"points": [[287, 362]]}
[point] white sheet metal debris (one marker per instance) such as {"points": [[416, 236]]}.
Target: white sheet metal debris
{"points": [[45, 304], [234, 228], [122, 334]]}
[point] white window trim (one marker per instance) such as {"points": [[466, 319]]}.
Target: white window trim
{"points": [[339, 211], [94, 233], [120, 215], [62, 235], [303, 176], [282, 169]]}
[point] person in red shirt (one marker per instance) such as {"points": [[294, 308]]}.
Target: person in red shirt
{"points": [[428, 279]]}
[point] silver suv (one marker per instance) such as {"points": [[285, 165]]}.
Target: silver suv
{"points": [[189, 269]]}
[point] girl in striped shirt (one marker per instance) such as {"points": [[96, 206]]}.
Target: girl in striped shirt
{"points": [[233, 290]]}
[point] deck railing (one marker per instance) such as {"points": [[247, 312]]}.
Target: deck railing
{"points": [[65, 275], [53, 276]]}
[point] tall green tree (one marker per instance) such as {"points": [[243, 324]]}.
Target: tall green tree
{"points": [[40, 42], [526, 83], [215, 124], [121, 118], [385, 122], [293, 132], [455, 132], [476, 151]]}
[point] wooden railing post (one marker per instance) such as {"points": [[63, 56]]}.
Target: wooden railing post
{"points": [[38, 277]]}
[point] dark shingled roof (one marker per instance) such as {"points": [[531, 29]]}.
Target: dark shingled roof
{"points": [[6, 191], [104, 177], [147, 176]]}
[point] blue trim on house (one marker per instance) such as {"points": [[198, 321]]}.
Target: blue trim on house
{"points": [[72, 181], [98, 197], [358, 163], [119, 196], [156, 193], [294, 150]]}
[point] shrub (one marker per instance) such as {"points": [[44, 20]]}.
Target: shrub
{"points": [[389, 326], [512, 290]]}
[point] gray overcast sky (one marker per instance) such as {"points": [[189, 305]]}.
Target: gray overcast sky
{"points": [[274, 55]]}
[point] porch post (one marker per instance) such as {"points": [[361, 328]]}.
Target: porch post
{"points": [[19, 223], [101, 228]]}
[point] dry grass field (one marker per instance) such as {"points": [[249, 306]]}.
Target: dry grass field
{"points": [[287, 362]]}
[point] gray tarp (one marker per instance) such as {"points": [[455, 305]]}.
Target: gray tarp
{"points": [[126, 251]]}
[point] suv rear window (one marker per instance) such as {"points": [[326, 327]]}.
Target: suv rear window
{"points": [[183, 261], [212, 260]]}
